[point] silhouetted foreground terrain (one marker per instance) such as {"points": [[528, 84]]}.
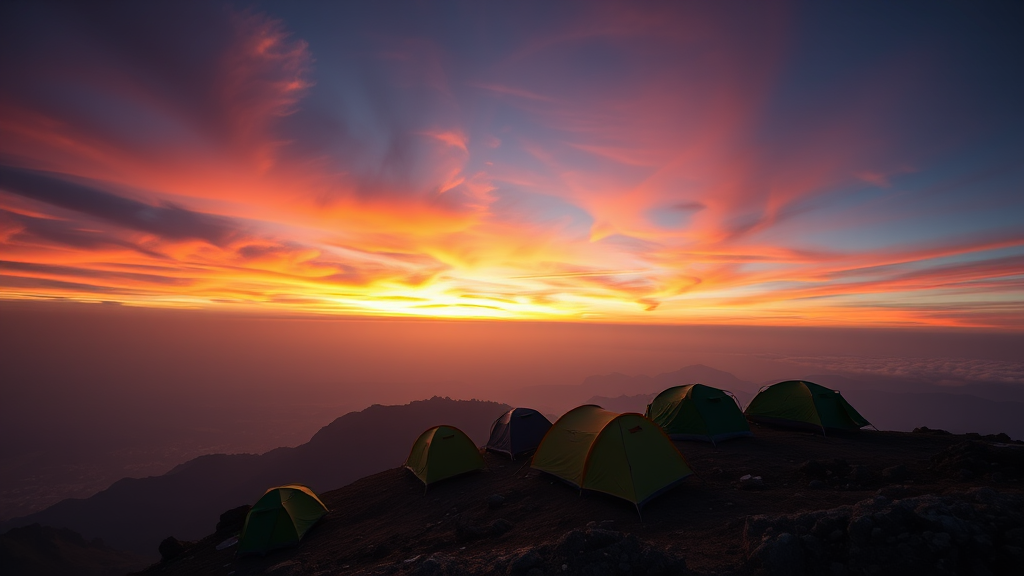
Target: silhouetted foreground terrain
{"points": [[869, 502], [83, 447], [136, 514]]}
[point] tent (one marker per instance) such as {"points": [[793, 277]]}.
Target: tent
{"points": [[443, 452], [625, 455], [698, 412], [799, 404], [280, 518], [518, 431]]}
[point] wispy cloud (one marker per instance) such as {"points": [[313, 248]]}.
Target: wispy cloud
{"points": [[678, 163]]}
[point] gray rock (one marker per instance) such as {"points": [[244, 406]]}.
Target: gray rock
{"points": [[812, 546], [780, 556], [430, 567], [171, 548], [860, 474], [495, 501], [524, 562], [286, 568], [860, 529], [941, 540], [600, 538], [749, 482], [499, 527], [896, 473]]}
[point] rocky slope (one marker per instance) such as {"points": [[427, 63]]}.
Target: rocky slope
{"points": [[779, 503]]}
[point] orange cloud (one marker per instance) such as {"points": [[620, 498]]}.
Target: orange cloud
{"points": [[632, 164]]}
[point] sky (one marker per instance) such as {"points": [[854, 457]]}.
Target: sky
{"points": [[802, 164]]}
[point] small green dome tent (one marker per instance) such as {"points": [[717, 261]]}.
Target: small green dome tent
{"points": [[442, 452], [799, 404], [698, 412], [625, 455], [280, 518]]}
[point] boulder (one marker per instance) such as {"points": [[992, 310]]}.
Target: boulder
{"points": [[231, 521], [170, 548]]}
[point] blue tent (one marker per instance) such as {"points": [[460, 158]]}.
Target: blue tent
{"points": [[518, 431]]}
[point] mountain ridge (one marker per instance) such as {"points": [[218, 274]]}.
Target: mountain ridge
{"points": [[134, 514]]}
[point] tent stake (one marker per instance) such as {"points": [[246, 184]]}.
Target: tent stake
{"points": [[520, 469]]}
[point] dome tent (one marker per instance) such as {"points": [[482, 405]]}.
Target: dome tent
{"points": [[280, 518], [625, 455], [698, 412], [518, 431], [442, 452], [799, 404]]}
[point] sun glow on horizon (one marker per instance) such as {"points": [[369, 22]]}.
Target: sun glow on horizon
{"points": [[670, 164]]}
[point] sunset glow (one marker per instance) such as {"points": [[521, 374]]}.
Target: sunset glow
{"points": [[716, 163]]}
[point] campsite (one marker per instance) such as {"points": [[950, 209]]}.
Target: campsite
{"points": [[599, 492], [722, 509], [509, 519]]}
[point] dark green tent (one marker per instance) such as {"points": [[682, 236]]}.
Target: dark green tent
{"points": [[442, 452], [698, 412], [280, 518], [625, 455], [799, 404]]}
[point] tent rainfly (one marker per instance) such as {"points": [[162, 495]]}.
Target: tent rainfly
{"points": [[799, 404], [518, 431], [442, 452], [625, 455], [280, 518], [698, 412]]}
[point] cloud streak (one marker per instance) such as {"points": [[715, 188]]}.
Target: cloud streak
{"points": [[666, 164]]}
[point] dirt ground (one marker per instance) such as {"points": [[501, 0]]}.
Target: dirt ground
{"points": [[380, 522]]}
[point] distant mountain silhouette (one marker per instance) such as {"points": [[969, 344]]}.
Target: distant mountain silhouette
{"points": [[136, 514], [43, 551], [637, 403]]}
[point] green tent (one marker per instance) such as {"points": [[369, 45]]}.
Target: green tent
{"points": [[280, 518], [698, 412], [625, 455], [443, 452], [799, 404]]}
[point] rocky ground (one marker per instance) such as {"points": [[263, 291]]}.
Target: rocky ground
{"points": [[782, 502]]}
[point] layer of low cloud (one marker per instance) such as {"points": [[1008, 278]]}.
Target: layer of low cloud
{"points": [[937, 370]]}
